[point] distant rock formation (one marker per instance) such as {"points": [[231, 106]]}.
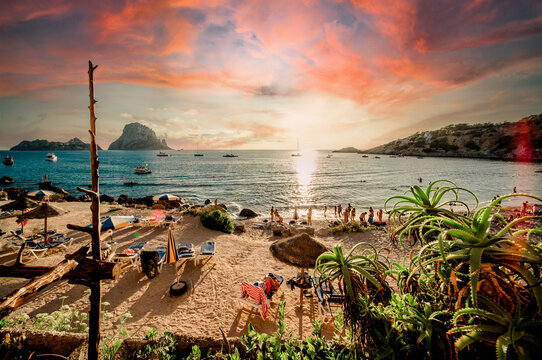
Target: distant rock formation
{"points": [[521, 140], [347, 150], [136, 136], [73, 144]]}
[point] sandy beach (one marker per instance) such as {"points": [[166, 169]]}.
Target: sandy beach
{"points": [[210, 303]]}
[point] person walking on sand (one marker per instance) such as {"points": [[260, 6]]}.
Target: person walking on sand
{"points": [[309, 216], [353, 214], [339, 210], [345, 216], [335, 210], [279, 218], [272, 214], [371, 216], [325, 211], [515, 191]]}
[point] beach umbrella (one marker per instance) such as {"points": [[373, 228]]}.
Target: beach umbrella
{"points": [[171, 254], [165, 197], [40, 193], [300, 251], [117, 222], [21, 203], [44, 211]]}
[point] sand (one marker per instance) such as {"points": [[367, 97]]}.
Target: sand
{"points": [[214, 283]]}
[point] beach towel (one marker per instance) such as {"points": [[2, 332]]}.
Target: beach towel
{"points": [[257, 294]]}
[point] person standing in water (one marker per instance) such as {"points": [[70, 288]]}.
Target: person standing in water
{"points": [[339, 210], [335, 210], [353, 214], [272, 214], [325, 210], [309, 216]]}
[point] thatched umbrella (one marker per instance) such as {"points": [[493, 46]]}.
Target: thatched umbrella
{"points": [[44, 211], [300, 251], [21, 204]]}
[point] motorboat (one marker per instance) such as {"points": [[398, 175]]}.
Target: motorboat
{"points": [[329, 156], [230, 155], [365, 156], [8, 160], [142, 170], [162, 154], [130, 183], [377, 157], [51, 157]]}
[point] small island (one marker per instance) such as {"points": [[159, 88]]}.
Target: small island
{"points": [[348, 150], [136, 136], [44, 145]]}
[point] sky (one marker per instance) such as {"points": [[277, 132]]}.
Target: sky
{"points": [[251, 74]]}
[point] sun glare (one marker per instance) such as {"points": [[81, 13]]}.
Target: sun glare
{"points": [[305, 165]]}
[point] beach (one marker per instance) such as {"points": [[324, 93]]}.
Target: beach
{"points": [[214, 283]]}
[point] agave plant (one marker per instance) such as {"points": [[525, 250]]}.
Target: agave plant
{"points": [[496, 326], [422, 205]]}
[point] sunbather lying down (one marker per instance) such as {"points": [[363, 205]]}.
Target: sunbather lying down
{"points": [[270, 284]]}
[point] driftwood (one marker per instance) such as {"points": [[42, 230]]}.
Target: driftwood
{"points": [[18, 297]]}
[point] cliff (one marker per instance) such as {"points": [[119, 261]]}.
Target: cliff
{"points": [[73, 144], [521, 140], [136, 136]]}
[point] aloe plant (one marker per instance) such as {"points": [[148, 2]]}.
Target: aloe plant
{"points": [[496, 326], [422, 205]]}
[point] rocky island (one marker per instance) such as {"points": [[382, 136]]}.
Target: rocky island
{"points": [[44, 145], [520, 140], [136, 136], [347, 150]]}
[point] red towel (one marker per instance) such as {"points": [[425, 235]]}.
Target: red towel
{"points": [[256, 293]]}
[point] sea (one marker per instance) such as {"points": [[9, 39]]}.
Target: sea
{"points": [[259, 179]]}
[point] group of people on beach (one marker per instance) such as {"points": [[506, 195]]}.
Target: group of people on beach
{"points": [[345, 215]]}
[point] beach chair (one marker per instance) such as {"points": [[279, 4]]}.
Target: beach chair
{"points": [[59, 240], [186, 252], [207, 249], [254, 297], [32, 246], [329, 301], [132, 253], [151, 262]]}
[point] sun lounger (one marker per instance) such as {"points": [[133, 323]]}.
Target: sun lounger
{"points": [[254, 297], [186, 252], [132, 253], [32, 246], [152, 261], [207, 249], [329, 301], [62, 241]]}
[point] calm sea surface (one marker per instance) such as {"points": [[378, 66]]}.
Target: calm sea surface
{"points": [[258, 179]]}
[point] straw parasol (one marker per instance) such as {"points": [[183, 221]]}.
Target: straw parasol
{"points": [[300, 251], [44, 211], [21, 203]]}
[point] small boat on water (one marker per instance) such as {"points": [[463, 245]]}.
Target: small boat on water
{"points": [[365, 156], [130, 183], [377, 157], [230, 155], [51, 157], [297, 154], [197, 151], [329, 156], [142, 170], [162, 154], [8, 160]]}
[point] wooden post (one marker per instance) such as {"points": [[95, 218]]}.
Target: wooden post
{"points": [[95, 286]]}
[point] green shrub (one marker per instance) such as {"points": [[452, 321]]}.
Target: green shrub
{"points": [[472, 145], [217, 220], [163, 347]]}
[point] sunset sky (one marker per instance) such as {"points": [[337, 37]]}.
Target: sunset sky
{"points": [[262, 74]]}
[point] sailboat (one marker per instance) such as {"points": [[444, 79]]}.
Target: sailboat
{"points": [[230, 155], [297, 153], [197, 151]]}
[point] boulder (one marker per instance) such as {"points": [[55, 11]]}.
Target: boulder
{"points": [[106, 198], [302, 230], [14, 194], [6, 180], [71, 198], [124, 199], [323, 232], [3, 195], [248, 213], [85, 198], [207, 202], [239, 228]]}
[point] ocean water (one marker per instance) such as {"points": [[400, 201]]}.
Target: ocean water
{"points": [[259, 179]]}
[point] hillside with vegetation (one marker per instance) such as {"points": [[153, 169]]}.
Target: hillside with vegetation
{"points": [[521, 140]]}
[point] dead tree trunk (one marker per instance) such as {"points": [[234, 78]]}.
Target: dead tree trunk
{"points": [[95, 286]]}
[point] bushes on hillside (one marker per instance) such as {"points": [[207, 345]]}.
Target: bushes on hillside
{"points": [[217, 220]]}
